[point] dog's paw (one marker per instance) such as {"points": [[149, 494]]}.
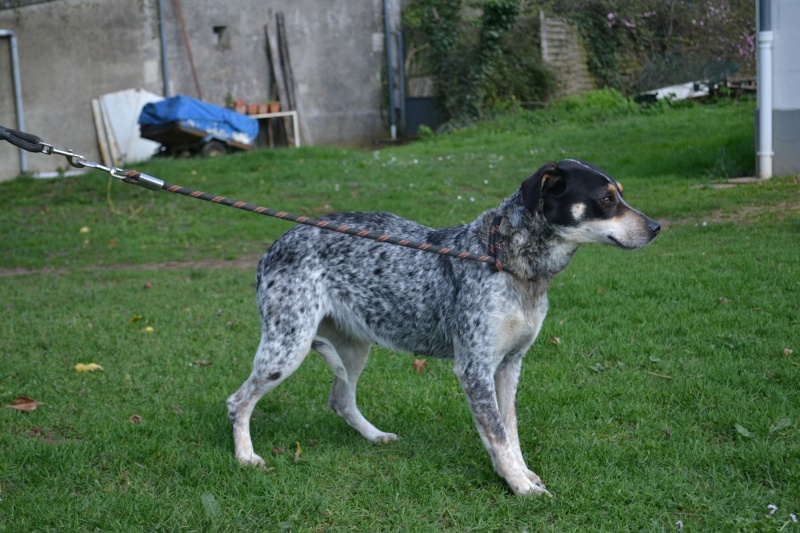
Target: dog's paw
{"points": [[383, 438], [253, 461], [530, 486], [536, 480]]}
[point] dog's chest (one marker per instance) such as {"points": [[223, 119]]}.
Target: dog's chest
{"points": [[519, 317]]}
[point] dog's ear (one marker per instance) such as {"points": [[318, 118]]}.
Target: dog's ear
{"points": [[546, 178]]}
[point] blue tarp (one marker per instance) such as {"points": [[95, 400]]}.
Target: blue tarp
{"points": [[217, 121]]}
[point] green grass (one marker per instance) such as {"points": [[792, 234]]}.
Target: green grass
{"points": [[631, 419]]}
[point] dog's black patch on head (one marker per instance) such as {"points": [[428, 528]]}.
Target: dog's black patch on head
{"points": [[585, 192], [531, 188]]}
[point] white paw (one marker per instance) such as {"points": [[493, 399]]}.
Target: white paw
{"points": [[383, 438], [530, 486], [252, 461], [536, 480]]}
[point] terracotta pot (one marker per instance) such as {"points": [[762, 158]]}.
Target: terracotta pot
{"points": [[262, 108], [252, 109], [274, 107]]}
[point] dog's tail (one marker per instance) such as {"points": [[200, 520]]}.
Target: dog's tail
{"points": [[331, 356]]}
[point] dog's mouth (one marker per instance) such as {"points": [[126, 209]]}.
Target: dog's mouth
{"points": [[620, 244]]}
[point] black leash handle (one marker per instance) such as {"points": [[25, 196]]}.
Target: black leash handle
{"points": [[20, 139]]}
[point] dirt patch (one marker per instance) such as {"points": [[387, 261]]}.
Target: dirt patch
{"points": [[743, 215], [49, 436], [245, 262]]}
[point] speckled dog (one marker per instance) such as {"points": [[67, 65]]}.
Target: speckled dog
{"points": [[340, 295]]}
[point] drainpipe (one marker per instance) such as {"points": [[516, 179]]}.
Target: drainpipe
{"points": [[401, 82], [12, 37], [389, 68], [765, 37], [162, 31]]}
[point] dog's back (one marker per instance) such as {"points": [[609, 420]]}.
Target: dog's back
{"points": [[372, 290]]}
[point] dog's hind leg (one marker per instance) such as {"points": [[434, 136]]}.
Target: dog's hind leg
{"points": [[274, 362], [347, 358], [506, 381]]}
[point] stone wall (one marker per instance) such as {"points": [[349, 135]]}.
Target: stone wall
{"points": [[565, 56]]}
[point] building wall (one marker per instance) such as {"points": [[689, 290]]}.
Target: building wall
{"points": [[74, 50]]}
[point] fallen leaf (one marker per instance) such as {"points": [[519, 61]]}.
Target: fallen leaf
{"points": [[135, 419], [202, 362], [783, 423], [148, 329], [176, 409], [601, 290], [419, 364], [136, 318], [112, 243], [297, 452], [278, 449], [91, 367], [787, 352], [148, 284], [24, 403], [210, 505], [723, 300], [555, 340], [743, 431], [85, 229], [312, 442]]}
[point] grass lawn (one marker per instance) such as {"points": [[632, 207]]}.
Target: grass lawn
{"points": [[662, 391]]}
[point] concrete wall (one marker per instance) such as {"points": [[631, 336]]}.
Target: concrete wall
{"points": [[74, 50]]}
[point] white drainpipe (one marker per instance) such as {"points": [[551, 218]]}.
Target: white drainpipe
{"points": [[765, 37], [12, 37]]}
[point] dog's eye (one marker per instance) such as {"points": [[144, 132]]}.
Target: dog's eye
{"points": [[608, 200]]}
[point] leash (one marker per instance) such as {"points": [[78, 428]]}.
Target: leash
{"points": [[34, 144]]}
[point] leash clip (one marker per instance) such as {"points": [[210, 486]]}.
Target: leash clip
{"points": [[149, 182]]}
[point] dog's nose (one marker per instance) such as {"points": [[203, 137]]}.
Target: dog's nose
{"points": [[654, 227]]}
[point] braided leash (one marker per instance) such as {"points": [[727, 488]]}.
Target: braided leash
{"points": [[32, 143]]}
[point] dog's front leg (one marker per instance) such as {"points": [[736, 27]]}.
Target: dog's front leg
{"points": [[506, 381], [478, 383]]}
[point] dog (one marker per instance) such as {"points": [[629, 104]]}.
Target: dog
{"points": [[339, 295]]}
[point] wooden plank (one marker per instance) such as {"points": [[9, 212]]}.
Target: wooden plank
{"points": [[277, 71], [113, 145], [287, 63], [102, 140]]}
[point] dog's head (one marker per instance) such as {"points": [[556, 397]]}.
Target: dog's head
{"points": [[586, 205]]}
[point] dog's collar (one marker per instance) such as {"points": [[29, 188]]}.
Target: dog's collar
{"points": [[496, 249]]}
